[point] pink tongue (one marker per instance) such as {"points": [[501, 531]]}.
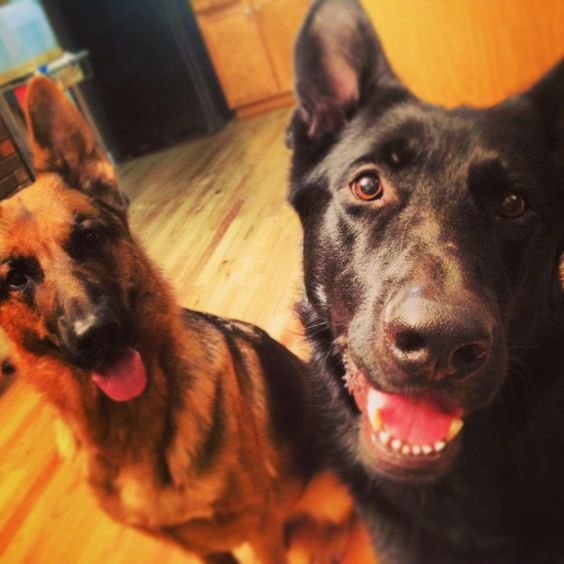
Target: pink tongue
{"points": [[413, 420], [123, 380]]}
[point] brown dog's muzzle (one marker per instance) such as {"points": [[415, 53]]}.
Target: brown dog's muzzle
{"points": [[89, 337]]}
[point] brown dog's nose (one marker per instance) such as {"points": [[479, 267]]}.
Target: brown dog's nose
{"points": [[86, 335], [433, 340], [92, 334]]}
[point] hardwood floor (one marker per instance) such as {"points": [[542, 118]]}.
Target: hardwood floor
{"points": [[213, 214]]}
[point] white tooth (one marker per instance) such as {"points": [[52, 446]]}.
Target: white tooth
{"points": [[396, 444], [406, 449], [439, 445], [373, 410], [426, 449], [454, 429], [384, 437], [375, 420], [416, 450]]}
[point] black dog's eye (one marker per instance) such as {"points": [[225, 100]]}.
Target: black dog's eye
{"points": [[513, 206], [16, 279], [367, 186]]}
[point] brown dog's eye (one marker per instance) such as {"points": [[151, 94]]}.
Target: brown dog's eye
{"points": [[93, 237], [367, 186], [15, 279], [513, 206], [87, 241], [90, 238]]}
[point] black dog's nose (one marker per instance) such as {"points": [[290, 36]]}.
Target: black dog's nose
{"points": [[433, 340]]}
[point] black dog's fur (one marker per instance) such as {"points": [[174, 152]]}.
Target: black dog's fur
{"points": [[445, 175]]}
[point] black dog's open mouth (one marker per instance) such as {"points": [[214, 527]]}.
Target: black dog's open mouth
{"points": [[404, 437]]}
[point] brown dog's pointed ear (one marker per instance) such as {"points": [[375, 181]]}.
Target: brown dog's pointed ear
{"points": [[62, 142], [339, 62]]}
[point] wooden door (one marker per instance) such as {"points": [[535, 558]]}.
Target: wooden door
{"points": [[469, 51]]}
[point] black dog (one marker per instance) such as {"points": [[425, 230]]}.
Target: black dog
{"points": [[433, 300]]}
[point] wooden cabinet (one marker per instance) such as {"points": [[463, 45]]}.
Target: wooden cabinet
{"points": [[279, 22], [448, 52], [250, 43]]}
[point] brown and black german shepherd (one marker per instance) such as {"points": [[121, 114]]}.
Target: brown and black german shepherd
{"points": [[191, 427]]}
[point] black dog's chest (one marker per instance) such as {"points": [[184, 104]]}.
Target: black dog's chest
{"points": [[501, 503]]}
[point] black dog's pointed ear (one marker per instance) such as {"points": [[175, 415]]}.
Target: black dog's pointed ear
{"points": [[338, 62], [547, 97], [62, 142]]}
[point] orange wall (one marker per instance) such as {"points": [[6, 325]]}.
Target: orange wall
{"points": [[469, 51]]}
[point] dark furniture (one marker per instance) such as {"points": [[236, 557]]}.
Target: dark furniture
{"points": [[152, 82], [14, 173]]}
